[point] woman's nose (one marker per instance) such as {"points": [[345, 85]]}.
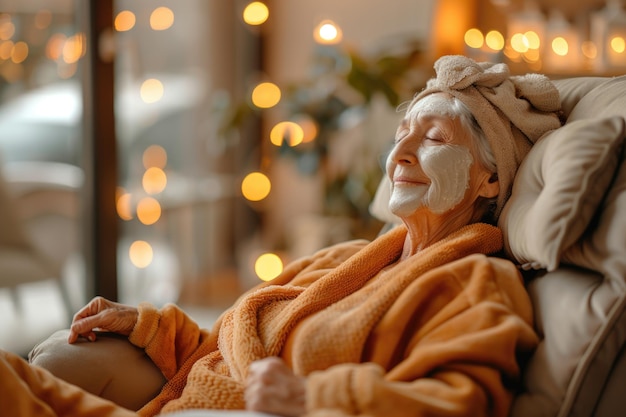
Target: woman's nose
{"points": [[404, 152]]}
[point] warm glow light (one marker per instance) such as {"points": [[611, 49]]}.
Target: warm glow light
{"points": [[308, 125], [123, 205], [161, 18], [589, 50], [268, 266], [255, 13], [266, 95], [154, 180], [43, 18], [54, 47], [531, 39], [154, 156], [19, 52], [560, 46], [474, 38], [519, 43], [6, 48], [151, 90], [74, 48], [148, 210], [124, 21], [7, 29], [290, 132], [255, 186], [618, 44], [532, 55], [494, 40], [511, 53], [140, 253], [328, 33]]}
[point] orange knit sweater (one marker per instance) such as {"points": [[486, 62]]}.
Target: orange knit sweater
{"points": [[436, 334]]}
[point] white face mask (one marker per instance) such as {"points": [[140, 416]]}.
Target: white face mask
{"points": [[448, 168]]}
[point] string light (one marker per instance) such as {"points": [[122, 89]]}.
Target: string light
{"points": [[327, 32], [255, 13], [268, 266], [148, 210], [287, 131], [124, 21], [266, 95], [161, 18], [151, 90], [140, 253], [256, 186]]}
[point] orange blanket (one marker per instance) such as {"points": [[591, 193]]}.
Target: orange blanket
{"points": [[436, 334]]}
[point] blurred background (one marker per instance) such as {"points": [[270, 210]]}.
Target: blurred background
{"points": [[183, 151]]}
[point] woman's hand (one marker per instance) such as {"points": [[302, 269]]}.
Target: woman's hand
{"points": [[105, 315], [272, 387]]}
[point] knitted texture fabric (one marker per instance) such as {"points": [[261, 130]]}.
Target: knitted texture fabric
{"points": [[513, 111], [437, 334], [323, 315]]}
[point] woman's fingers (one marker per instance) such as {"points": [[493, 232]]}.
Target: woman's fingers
{"points": [[102, 314], [272, 387]]}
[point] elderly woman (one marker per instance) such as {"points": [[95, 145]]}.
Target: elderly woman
{"points": [[424, 320]]}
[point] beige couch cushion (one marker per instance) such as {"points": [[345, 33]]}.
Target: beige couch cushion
{"points": [[558, 188], [580, 307]]}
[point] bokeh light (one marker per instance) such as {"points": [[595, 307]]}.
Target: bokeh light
{"points": [[268, 266], [43, 19], [154, 156], [560, 46], [151, 90], [256, 186], [54, 46], [474, 38], [327, 32], [519, 43], [532, 40], [494, 40], [266, 95], [19, 52], [124, 21], [589, 50], [7, 28], [74, 48], [618, 44], [123, 204], [6, 48], [161, 18], [308, 125], [154, 180], [287, 131], [255, 13], [148, 210], [140, 253]]}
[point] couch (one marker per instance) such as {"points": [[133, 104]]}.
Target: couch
{"points": [[565, 225]]}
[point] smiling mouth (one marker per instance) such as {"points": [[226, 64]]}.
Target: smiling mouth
{"points": [[407, 182]]}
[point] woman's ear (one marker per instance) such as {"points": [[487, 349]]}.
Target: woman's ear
{"points": [[490, 188]]}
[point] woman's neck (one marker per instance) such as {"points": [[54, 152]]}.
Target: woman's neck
{"points": [[425, 228]]}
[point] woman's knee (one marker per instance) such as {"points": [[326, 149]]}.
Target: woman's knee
{"points": [[111, 367]]}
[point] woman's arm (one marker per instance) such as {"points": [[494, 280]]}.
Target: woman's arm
{"points": [[170, 337]]}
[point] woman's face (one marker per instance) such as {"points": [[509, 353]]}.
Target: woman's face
{"points": [[432, 164]]}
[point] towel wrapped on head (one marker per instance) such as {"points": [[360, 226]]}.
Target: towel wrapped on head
{"points": [[513, 111]]}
